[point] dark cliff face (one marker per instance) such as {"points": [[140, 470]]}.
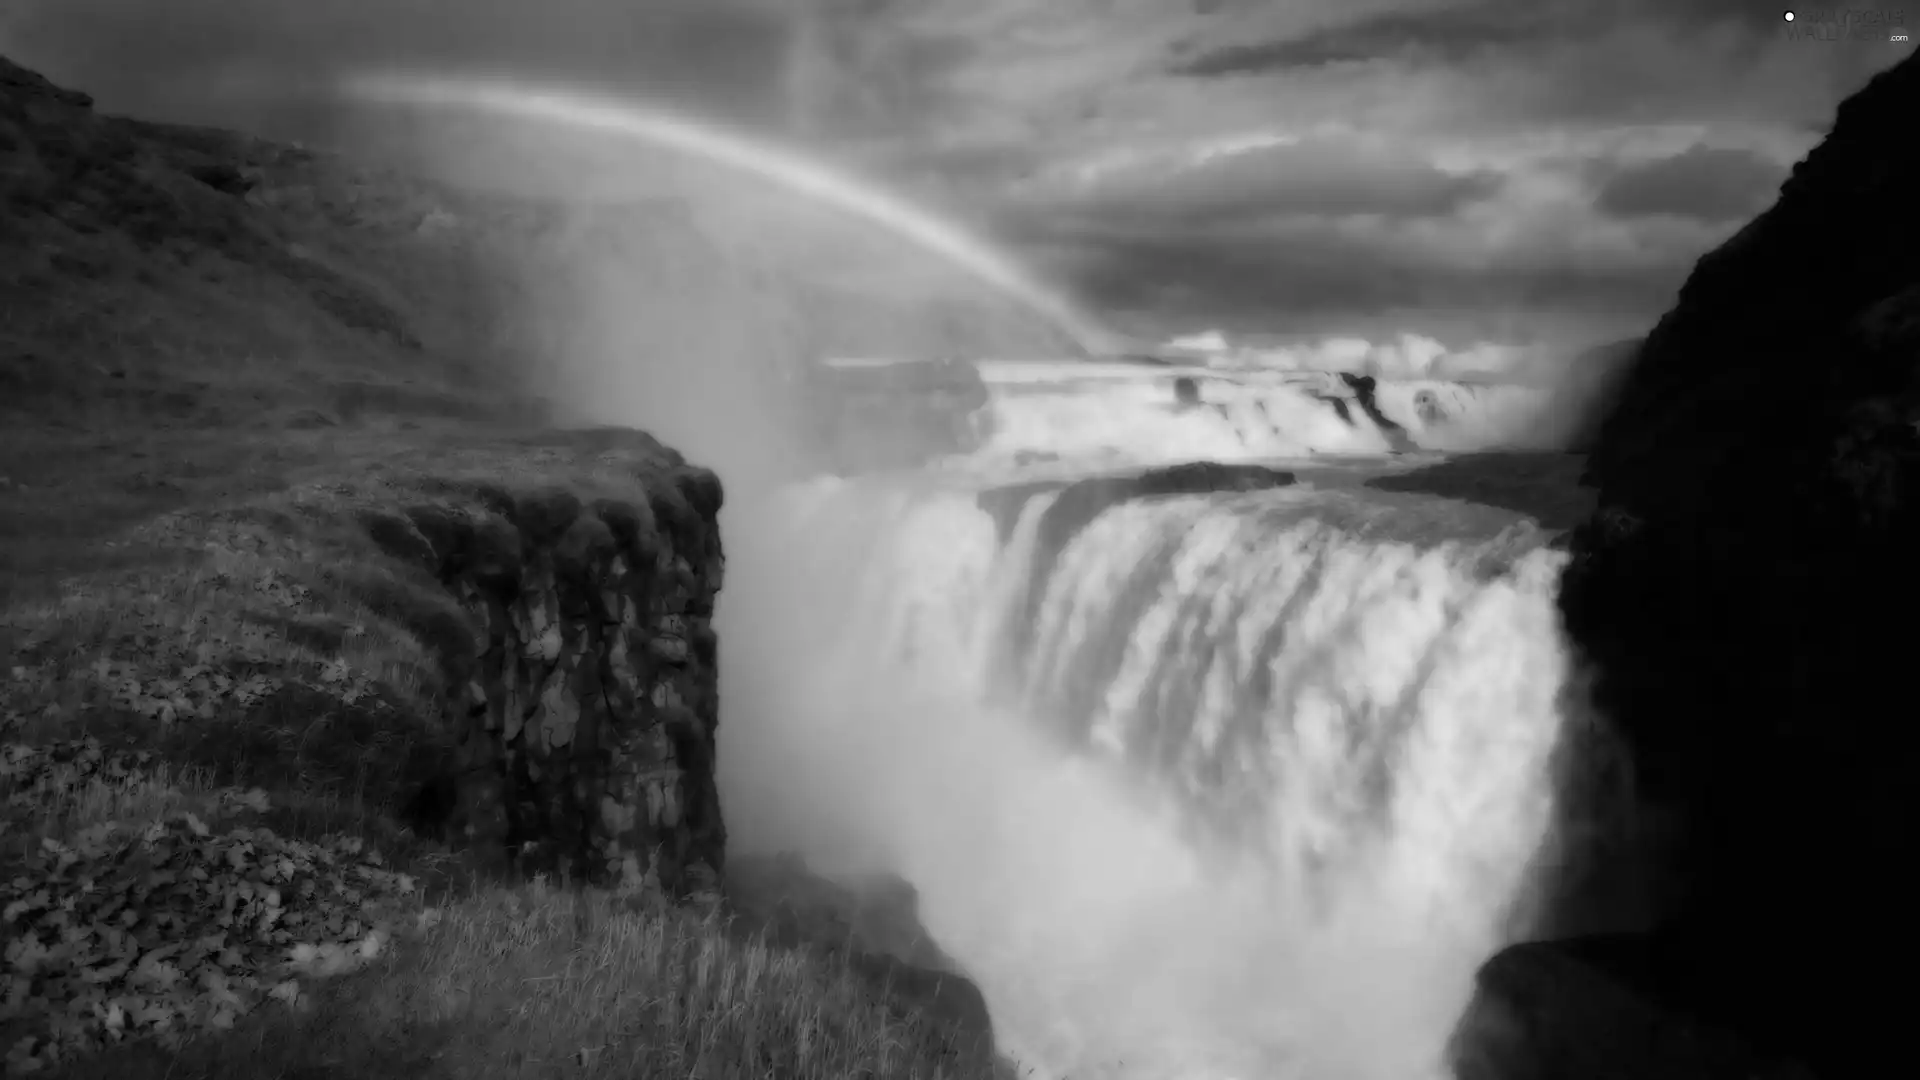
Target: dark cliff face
{"points": [[1745, 586], [585, 714]]}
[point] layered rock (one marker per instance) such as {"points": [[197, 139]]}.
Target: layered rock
{"points": [[1743, 589], [587, 723]]}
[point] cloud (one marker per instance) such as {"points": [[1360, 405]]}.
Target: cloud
{"points": [[1219, 160], [1481, 65], [1316, 268], [1706, 183], [734, 57], [1446, 33], [1456, 31], [1326, 176]]}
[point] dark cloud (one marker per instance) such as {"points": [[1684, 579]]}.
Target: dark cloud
{"points": [[166, 58], [1704, 183], [1322, 273], [1443, 34], [1312, 178], [1455, 33], [1256, 232]]}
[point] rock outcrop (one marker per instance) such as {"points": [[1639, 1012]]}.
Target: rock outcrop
{"points": [[1364, 387], [1744, 589], [1587, 1010], [587, 723]]}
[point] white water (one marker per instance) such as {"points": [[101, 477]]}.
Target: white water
{"points": [[1253, 798], [1117, 414], [1260, 791]]}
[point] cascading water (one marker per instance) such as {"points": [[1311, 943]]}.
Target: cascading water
{"points": [[1224, 786], [1230, 785], [1117, 414]]}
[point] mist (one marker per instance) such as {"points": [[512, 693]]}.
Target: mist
{"points": [[1578, 393], [871, 731], [1078, 901], [667, 295], [1074, 900]]}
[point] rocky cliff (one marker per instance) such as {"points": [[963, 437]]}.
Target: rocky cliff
{"points": [[585, 712], [1743, 589], [280, 553]]}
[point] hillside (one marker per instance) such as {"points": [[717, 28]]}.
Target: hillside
{"points": [[1744, 589], [315, 632]]}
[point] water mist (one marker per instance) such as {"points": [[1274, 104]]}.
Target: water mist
{"points": [[1384, 778], [1257, 793]]}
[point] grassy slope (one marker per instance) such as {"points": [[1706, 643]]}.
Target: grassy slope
{"points": [[195, 384]]}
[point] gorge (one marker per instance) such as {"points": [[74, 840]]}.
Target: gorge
{"points": [[1256, 725]]}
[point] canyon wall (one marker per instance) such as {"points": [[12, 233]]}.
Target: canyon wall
{"points": [[586, 707], [1744, 590]]}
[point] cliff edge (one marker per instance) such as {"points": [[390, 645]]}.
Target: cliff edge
{"points": [[324, 662], [1743, 588]]}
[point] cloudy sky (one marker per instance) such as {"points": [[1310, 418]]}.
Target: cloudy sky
{"points": [[1507, 169]]}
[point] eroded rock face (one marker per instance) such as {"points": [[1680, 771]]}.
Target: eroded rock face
{"points": [[588, 720], [1745, 586]]}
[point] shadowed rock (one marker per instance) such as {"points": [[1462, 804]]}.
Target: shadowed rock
{"points": [[591, 696], [1591, 1009], [1363, 387], [1541, 485], [1744, 588]]}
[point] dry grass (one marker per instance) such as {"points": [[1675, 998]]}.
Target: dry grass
{"points": [[526, 981], [537, 982]]}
